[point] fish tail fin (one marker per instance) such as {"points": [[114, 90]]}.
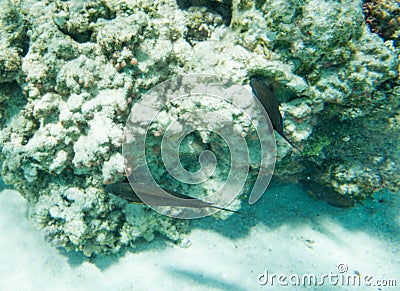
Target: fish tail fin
{"points": [[225, 209], [291, 144]]}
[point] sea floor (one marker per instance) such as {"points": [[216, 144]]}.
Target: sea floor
{"points": [[286, 232]]}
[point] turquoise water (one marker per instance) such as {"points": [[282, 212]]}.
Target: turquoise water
{"points": [[286, 232], [306, 92]]}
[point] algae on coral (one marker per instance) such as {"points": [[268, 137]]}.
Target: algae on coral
{"points": [[72, 70]]}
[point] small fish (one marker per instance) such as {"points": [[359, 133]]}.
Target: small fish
{"points": [[271, 105], [157, 198], [327, 194]]}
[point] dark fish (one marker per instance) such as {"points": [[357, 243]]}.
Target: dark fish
{"points": [[271, 105], [327, 194], [157, 198]]}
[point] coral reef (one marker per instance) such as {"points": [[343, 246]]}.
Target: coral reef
{"points": [[13, 41], [71, 71], [383, 18]]}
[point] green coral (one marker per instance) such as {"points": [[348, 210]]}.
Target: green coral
{"points": [[316, 145]]}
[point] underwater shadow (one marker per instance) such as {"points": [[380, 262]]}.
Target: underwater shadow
{"points": [[201, 279], [282, 204], [104, 261], [289, 204]]}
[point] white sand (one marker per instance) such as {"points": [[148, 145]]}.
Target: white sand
{"points": [[286, 232]]}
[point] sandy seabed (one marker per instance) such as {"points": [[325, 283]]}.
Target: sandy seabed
{"points": [[286, 233]]}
